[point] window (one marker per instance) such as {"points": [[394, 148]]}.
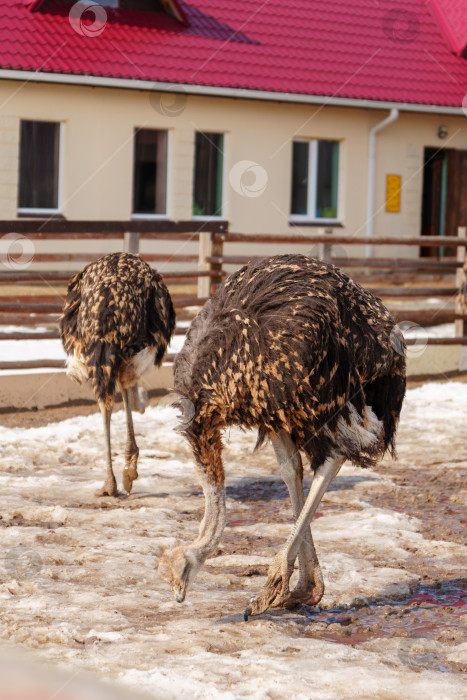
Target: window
{"points": [[207, 185], [171, 8], [39, 165], [315, 181], [150, 172]]}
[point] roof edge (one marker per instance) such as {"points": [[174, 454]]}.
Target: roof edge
{"points": [[208, 91], [457, 46]]}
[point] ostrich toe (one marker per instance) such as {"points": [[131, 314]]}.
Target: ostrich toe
{"points": [[308, 591], [275, 593], [109, 489]]}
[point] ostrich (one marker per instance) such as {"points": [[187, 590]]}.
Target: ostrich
{"points": [[116, 324], [293, 347]]}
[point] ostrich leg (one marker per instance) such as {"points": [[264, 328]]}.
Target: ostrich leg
{"points": [[130, 472], [110, 486], [310, 586], [276, 591]]}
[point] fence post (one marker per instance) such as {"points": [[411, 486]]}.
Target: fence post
{"points": [[205, 251], [325, 249], [209, 245], [461, 326], [131, 243], [461, 278]]}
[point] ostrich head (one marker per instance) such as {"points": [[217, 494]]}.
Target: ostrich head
{"points": [[178, 567]]}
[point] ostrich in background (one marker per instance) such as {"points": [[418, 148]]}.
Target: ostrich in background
{"points": [[116, 324], [293, 347]]}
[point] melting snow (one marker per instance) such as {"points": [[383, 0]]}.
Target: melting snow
{"points": [[78, 581]]}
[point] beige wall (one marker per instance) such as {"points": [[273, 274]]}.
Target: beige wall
{"points": [[9, 163], [98, 153]]}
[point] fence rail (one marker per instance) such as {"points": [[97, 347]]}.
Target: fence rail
{"points": [[404, 278], [218, 257]]}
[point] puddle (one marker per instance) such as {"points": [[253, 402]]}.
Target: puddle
{"points": [[431, 613]]}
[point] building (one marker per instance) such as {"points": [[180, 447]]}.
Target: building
{"points": [[273, 117]]}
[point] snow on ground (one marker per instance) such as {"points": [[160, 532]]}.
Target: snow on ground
{"points": [[78, 581]]}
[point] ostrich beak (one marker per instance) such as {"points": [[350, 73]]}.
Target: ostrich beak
{"points": [[179, 594]]}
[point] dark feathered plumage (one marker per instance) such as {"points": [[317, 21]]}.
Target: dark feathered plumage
{"points": [[116, 324], [292, 343], [293, 347]]}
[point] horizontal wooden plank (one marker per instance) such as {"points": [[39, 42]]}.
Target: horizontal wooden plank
{"points": [[30, 308], [425, 340], [181, 302], [25, 319], [87, 258], [427, 317], [20, 307], [50, 227], [155, 257], [172, 276], [32, 364], [28, 278], [64, 277], [397, 263], [29, 299], [341, 239], [392, 292]]}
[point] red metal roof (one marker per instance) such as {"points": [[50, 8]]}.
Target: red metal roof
{"points": [[358, 49]]}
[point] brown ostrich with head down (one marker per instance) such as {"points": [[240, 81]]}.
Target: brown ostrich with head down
{"points": [[293, 347], [116, 324]]}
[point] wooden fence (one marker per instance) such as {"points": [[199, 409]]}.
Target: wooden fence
{"points": [[403, 275], [216, 255]]}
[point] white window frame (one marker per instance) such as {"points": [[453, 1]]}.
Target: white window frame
{"points": [[48, 211], [168, 184], [312, 190], [221, 216]]}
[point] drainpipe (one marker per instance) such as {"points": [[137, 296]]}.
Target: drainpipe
{"points": [[370, 212]]}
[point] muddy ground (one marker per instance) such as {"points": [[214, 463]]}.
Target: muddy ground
{"points": [[78, 583]]}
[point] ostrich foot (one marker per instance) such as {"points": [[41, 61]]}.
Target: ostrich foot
{"points": [[275, 594], [130, 473], [299, 596], [304, 596], [109, 489]]}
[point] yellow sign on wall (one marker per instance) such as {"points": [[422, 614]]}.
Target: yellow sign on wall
{"points": [[393, 193]]}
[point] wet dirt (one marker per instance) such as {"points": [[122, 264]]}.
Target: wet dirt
{"points": [[431, 613], [434, 611], [430, 494], [88, 564]]}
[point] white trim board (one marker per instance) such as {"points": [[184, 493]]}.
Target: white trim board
{"points": [[235, 93]]}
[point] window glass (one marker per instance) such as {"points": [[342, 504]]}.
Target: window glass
{"points": [[150, 172], [207, 184], [39, 165], [300, 178], [327, 178], [315, 179]]}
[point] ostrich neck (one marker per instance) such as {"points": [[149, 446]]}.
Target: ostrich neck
{"points": [[213, 522]]}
